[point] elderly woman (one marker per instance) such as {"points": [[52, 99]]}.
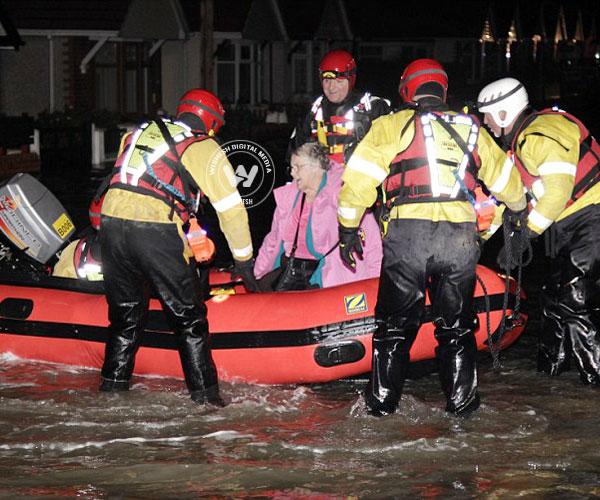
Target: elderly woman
{"points": [[305, 229]]}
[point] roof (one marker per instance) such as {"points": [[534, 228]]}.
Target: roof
{"points": [[9, 36], [318, 19], [87, 15]]}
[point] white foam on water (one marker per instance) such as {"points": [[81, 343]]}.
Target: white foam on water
{"points": [[228, 435], [69, 447], [9, 357], [421, 444], [9, 385]]}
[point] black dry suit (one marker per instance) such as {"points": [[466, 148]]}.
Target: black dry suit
{"points": [[146, 257], [430, 245]]}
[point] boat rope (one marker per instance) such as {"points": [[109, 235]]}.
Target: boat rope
{"points": [[524, 255]]}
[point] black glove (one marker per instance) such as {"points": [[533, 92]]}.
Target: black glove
{"points": [[512, 254], [351, 239], [516, 221], [245, 270]]}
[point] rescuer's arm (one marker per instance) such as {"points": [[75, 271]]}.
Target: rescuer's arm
{"points": [[499, 174], [368, 167], [554, 157], [213, 173]]}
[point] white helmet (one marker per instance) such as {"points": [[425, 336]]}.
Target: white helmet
{"points": [[506, 94]]}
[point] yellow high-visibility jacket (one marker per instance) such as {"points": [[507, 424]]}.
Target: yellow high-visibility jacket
{"points": [[211, 170], [548, 148], [369, 166]]}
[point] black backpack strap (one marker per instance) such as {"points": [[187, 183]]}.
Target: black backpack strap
{"points": [[179, 168]]}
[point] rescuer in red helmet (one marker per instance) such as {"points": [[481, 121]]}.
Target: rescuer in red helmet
{"points": [[341, 116], [159, 176], [427, 159]]}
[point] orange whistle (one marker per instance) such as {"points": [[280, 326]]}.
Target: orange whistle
{"points": [[202, 246]]}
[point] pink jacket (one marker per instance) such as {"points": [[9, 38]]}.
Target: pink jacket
{"points": [[323, 231]]}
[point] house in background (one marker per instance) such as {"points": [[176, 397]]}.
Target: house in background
{"points": [[134, 58]]}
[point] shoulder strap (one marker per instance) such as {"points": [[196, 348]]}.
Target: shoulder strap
{"points": [[295, 245], [179, 168]]}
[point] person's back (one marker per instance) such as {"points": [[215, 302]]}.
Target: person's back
{"points": [[427, 160], [160, 174]]}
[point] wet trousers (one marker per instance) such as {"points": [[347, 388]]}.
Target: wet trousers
{"points": [[140, 258], [441, 257], [571, 299]]}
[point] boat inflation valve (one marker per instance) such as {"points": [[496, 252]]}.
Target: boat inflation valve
{"points": [[339, 353]]}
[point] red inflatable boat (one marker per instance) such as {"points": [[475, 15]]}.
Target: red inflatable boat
{"points": [[271, 338]]}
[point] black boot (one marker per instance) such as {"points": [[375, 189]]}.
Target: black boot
{"points": [[210, 396], [457, 355], [114, 385], [391, 359]]}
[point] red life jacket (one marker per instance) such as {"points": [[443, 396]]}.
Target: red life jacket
{"points": [[337, 132], [588, 165], [160, 174], [411, 172]]}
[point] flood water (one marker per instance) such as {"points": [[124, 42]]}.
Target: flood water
{"points": [[535, 437]]}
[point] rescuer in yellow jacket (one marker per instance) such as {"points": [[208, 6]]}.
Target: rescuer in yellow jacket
{"points": [[162, 169], [558, 161], [427, 160]]}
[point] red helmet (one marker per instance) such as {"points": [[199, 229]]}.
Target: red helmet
{"points": [[421, 72], [338, 64], [202, 111]]}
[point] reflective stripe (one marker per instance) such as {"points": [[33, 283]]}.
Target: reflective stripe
{"points": [[125, 164], [319, 114], [539, 220], [537, 188], [242, 252], [366, 167], [348, 213], [434, 175], [228, 202], [139, 171], [557, 167], [158, 153], [471, 141], [366, 101], [504, 177], [187, 129], [316, 105]]}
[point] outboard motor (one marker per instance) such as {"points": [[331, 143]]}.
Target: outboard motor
{"points": [[32, 221]]}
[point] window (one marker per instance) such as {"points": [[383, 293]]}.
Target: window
{"points": [[305, 65], [119, 77], [235, 72]]}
